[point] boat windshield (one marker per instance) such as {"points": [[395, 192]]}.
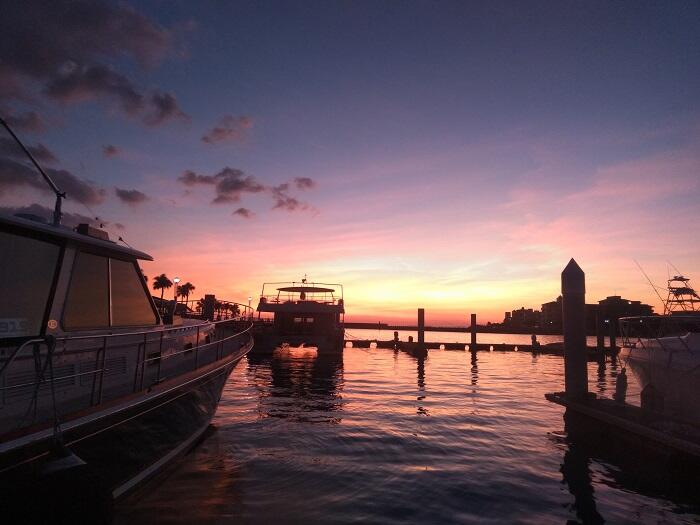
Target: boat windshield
{"points": [[27, 269]]}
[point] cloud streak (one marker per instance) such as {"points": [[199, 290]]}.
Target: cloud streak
{"points": [[231, 184], [14, 174], [64, 47], [131, 197], [229, 129], [109, 151], [244, 212], [41, 153]]}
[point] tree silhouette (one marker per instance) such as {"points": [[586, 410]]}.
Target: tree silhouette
{"points": [[184, 290], [162, 283]]}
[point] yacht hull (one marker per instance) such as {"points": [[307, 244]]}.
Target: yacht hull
{"points": [[121, 445], [674, 376]]}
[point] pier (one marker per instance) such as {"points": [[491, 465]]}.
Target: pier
{"points": [[593, 353], [645, 431]]}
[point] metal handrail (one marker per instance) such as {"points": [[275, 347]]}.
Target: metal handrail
{"points": [[152, 331], [626, 324], [10, 359], [103, 349]]}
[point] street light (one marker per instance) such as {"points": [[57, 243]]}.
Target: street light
{"points": [[176, 280], [250, 312]]}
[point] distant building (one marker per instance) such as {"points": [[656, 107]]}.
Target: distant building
{"points": [[525, 318], [551, 315], [613, 307], [550, 319]]}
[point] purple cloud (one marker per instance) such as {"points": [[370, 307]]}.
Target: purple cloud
{"points": [[229, 183], [67, 219], [283, 201], [163, 107], [27, 121], [131, 197], [110, 151], [229, 129], [14, 174], [244, 212], [40, 152], [304, 183], [64, 47]]}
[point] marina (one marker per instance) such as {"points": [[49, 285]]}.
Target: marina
{"points": [[349, 262], [381, 436]]}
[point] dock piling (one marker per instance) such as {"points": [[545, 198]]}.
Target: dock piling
{"points": [[599, 334], [573, 290], [472, 327], [612, 333], [421, 326]]}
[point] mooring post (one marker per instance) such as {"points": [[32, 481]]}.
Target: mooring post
{"points": [[472, 326], [573, 291], [421, 326], [599, 334], [613, 335]]}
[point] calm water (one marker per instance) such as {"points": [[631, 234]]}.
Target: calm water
{"points": [[377, 436]]}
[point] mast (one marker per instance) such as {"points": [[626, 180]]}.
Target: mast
{"points": [[59, 194], [681, 296]]}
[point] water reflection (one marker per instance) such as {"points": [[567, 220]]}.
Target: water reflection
{"points": [[474, 370], [576, 474], [298, 383], [306, 438], [627, 465]]}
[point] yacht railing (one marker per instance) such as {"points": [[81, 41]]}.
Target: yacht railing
{"points": [[209, 341], [636, 332], [271, 294]]}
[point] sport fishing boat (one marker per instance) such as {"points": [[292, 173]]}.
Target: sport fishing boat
{"points": [[664, 352], [97, 393], [303, 313]]}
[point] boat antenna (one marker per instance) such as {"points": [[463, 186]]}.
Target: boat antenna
{"points": [[59, 194], [674, 268], [656, 291], [122, 240]]}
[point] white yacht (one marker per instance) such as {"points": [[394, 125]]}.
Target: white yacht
{"points": [[663, 351]]}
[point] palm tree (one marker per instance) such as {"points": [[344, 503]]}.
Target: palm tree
{"points": [[162, 283], [184, 290], [234, 310]]}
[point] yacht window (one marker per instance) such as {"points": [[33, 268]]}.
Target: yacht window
{"points": [[130, 304], [87, 304], [27, 268]]}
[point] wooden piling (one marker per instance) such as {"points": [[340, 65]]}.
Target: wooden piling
{"points": [[573, 290], [612, 333], [599, 334], [421, 326], [472, 326]]}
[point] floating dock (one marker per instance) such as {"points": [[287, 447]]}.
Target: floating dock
{"points": [[647, 433], [594, 354], [643, 426]]}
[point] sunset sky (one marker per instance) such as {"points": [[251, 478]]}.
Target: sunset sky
{"points": [[446, 155]]}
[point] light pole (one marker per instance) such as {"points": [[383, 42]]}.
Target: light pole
{"points": [[176, 280], [250, 312]]}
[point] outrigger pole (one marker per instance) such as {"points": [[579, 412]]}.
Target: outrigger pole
{"points": [[59, 194]]}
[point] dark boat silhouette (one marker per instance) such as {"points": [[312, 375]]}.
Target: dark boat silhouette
{"points": [[97, 393], [309, 314]]}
